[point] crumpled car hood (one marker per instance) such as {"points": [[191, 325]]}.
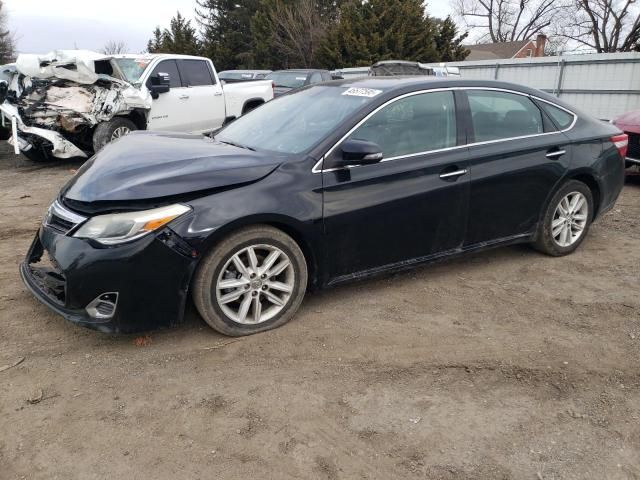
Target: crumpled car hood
{"points": [[151, 165]]}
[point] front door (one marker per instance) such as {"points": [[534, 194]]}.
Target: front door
{"points": [[410, 206], [170, 110], [516, 157]]}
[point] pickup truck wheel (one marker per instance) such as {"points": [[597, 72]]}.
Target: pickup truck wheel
{"points": [[38, 155], [112, 130], [254, 280]]}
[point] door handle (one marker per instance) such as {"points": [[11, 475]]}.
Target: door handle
{"points": [[183, 97], [217, 93], [454, 174], [555, 153]]}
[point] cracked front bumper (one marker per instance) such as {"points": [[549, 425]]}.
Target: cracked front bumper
{"points": [[150, 277], [61, 147]]}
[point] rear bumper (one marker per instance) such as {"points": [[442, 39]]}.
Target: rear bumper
{"points": [[149, 276]]}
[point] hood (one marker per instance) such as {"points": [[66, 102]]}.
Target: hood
{"points": [[146, 165], [630, 121]]}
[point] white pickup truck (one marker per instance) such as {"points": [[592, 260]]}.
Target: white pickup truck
{"points": [[70, 103]]}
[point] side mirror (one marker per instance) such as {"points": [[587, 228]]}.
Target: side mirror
{"points": [[359, 152], [160, 83]]}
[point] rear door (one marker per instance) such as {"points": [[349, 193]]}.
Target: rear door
{"points": [[169, 111], [411, 205], [204, 96], [516, 158]]}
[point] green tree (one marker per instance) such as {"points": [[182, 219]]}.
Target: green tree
{"points": [[179, 38], [226, 32], [369, 31], [290, 33], [448, 42]]}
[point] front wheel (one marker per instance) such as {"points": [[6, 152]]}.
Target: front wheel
{"points": [[254, 280], [111, 130], [566, 220]]}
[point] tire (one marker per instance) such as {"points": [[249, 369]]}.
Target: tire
{"points": [[38, 155], [570, 236], [212, 299], [106, 132]]}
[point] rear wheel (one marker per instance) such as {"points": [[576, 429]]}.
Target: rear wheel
{"points": [[254, 280], [566, 220], [109, 131]]}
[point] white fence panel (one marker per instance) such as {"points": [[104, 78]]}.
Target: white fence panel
{"points": [[603, 85]]}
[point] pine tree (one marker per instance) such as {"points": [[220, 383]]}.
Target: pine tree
{"points": [[374, 30], [226, 32], [179, 38], [448, 42]]}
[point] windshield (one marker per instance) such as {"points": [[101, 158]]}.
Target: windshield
{"points": [[132, 68], [296, 122], [288, 79]]}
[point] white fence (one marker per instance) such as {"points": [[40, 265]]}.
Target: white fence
{"points": [[603, 85]]}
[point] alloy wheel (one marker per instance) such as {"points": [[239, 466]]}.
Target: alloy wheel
{"points": [[569, 219], [255, 284], [120, 132]]}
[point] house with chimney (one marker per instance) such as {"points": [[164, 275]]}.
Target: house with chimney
{"points": [[500, 50]]}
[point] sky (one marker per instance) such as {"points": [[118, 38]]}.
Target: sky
{"points": [[44, 25]]}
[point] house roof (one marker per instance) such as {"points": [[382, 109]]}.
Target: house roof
{"points": [[492, 51]]}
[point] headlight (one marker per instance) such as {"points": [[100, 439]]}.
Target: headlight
{"points": [[123, 227]]}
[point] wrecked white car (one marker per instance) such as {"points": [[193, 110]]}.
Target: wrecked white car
{"points": [[71, 103]]}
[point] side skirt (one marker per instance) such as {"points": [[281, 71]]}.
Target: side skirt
{"points": [[408, 264]]}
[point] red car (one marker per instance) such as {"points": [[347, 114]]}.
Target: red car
{"points": [[629, 123]]}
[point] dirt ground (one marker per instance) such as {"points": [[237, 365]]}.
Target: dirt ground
{"points": [[501, 365]]}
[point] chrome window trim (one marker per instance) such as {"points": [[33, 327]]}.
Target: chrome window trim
{"points": [[66, 214], [317, 166]]}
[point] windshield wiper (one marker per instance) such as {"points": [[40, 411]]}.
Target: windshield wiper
{"points": [[239, 145]]}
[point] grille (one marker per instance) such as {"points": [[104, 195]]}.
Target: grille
{"points": [[61, 219], [633, 151], [59, 223]]}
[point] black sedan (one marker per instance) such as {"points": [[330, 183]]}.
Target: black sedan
{"points": [[337, 182], [285, 81]]}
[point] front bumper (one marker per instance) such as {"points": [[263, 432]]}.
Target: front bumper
{"points": [[61, 147], [150, 276]]}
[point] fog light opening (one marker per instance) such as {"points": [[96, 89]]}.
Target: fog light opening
{"points": [[104, 306]]}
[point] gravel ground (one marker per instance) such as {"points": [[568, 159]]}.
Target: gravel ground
{"points": [[505, 364]]}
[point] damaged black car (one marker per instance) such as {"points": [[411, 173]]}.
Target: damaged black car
{"points": [[336, 182]]}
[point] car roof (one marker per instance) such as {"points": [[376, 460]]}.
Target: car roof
{"points": [[247, 70], [418, 82], [301, 70], [397, 85]]}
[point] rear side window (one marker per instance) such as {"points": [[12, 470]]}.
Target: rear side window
{"points": [[561, 118], [415, 124], [170, 67], [496, 115], [196, 72]]}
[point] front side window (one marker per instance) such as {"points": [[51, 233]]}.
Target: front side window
{"points": [[316, 77], [196, 72], [496, 115], [418, 123], [170, 67]]}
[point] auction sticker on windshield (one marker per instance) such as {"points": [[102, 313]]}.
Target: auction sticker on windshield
{"points": [[362, 92]]}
